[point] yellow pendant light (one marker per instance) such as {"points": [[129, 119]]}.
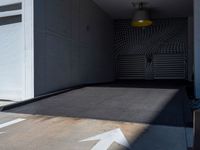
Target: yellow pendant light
{"points": [[141, 17]]}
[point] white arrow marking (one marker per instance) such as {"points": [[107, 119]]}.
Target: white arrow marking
{"points": [[10, 123], [107, 139], [2, 133]]}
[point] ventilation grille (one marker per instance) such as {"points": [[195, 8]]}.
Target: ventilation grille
{"points": [[169, 67], [131, 67], [10, 12]]}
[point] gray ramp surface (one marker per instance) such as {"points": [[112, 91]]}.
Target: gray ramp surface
{"points": [[141, 102]]}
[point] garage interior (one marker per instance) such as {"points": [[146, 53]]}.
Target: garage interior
{"points": [[115, 71], [88, 60]]}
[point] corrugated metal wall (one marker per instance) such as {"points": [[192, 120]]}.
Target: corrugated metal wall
{"points": [[156, 52]]}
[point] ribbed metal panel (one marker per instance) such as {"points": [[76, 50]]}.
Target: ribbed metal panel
{"points": [[131, 67], [169, 66]]}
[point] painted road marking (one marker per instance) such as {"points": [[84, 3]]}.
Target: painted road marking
{"points": [[107, 139], [11, 123]]}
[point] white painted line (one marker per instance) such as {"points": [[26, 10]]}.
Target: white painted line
{"points": [[107, 139], [11, 123]]}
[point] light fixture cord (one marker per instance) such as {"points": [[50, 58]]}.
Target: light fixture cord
{"points": [[141, 5]]}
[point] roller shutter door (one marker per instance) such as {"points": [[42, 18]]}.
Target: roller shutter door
{"points": [[169, 66], [131, 67]]}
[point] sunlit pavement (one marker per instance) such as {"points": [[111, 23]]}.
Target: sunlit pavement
{"points": [[32, 132]]}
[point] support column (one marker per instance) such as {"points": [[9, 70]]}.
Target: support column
{"points": [[197, 70], [190, 48], [197, 47]]}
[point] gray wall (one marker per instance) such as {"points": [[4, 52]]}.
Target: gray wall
{"points": [[73, 44]]}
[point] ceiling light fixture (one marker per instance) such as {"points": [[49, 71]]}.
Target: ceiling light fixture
{"points": [[141, 16]]}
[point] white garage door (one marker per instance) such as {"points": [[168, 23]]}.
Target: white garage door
{"points": [[13, 54]]}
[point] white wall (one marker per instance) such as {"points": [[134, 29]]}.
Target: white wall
{"points": [[16, 52], [73, 44]]}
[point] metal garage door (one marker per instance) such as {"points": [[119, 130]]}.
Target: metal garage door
{"points": [[169, 66], [131, 67], [162, 66]]}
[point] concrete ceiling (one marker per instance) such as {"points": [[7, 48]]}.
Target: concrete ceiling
{"points": [[122, 9]]}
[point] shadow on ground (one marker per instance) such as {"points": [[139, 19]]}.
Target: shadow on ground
{"points": [[151, 102]]}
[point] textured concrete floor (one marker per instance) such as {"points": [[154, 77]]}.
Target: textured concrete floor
{"points": [[150, 115], [61, 133], [142, 102]]}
